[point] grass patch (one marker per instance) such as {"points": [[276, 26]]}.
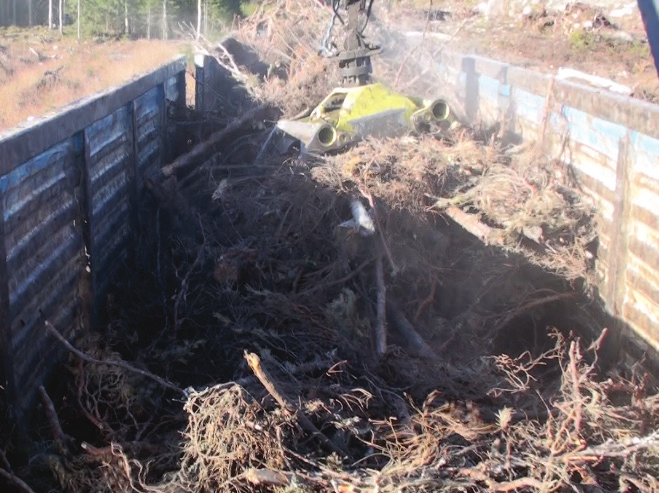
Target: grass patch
{"points": [[582, 40], [249, 8]]}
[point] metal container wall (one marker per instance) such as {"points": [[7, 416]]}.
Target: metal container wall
{"points": [[45, 255], [108, 154], [610, 143], [70, 186]]}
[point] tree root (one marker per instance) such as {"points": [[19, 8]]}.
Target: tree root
{"points": [[120, 364]]}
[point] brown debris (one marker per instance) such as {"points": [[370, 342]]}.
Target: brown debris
{"points": [[316, 359]]}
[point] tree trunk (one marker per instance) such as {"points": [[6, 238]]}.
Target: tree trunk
{"points": [[61, 15], [206, 17], [164, 19], [50, 14], [198, 19], [78, 20], [126, 30], [148, 22], [29, 12], [13, 16]]}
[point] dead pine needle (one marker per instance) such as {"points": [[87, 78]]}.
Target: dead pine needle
{"points": [[448, 399]]}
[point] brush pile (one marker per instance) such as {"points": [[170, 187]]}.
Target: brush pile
{"points": [[516, 197], [327, 325]]}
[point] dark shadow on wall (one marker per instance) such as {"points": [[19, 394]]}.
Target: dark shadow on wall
{"points": [[650, 16]]}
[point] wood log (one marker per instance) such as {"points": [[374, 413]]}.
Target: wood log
{"points": [[413, 342], [202, 151], [285, 402], [471, 223]]}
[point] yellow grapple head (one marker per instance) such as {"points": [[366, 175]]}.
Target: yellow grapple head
{"points": [[350, 114]]}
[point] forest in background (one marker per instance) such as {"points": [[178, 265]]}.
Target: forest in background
{"points": [[121, 18]]}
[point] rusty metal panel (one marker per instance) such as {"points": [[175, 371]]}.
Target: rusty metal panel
{"points": [[631, 113], [601, 172], [109, 154], [598, 134], [45, 258]]}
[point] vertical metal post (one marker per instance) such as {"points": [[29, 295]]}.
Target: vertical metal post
{"points": [[88, 222], [180, 86], [200, 83], [133, 167], [616, 286], [650, 14], [85, 290], [6, 340], [165, 150], [471, 88]]}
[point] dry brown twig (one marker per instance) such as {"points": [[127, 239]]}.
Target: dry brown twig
{"points": [[120, 364], [16, 481], [228, 433], [381, 324], [416, 344], [427, 301], [342, 280], [521, 310], [182, 293], [59, 437], [287, 404]]}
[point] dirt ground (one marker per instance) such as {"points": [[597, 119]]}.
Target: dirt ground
{"points": [[293, 324], [581, 37], [41, 70]]}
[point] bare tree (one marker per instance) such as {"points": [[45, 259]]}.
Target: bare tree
{"points": [[148, 21], [126, 26], [78, 19], [198, 19], [50, 14], [164, 19], [61, 15], [205, 17]]}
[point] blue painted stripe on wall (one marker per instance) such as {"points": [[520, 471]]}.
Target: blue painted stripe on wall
{"points": [[596, 133], [488, 88], [528, 105], [646, 154], [33, 166]]}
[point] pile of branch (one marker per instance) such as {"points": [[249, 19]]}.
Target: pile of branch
{"points": [[343, 374], [275, 55], [317, 325], [521, 201], [516, 198]]}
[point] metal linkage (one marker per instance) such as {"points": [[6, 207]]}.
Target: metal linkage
{"points": [[355, 57]]}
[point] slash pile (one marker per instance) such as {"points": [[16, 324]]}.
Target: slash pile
{"points": [[326, 324]]}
